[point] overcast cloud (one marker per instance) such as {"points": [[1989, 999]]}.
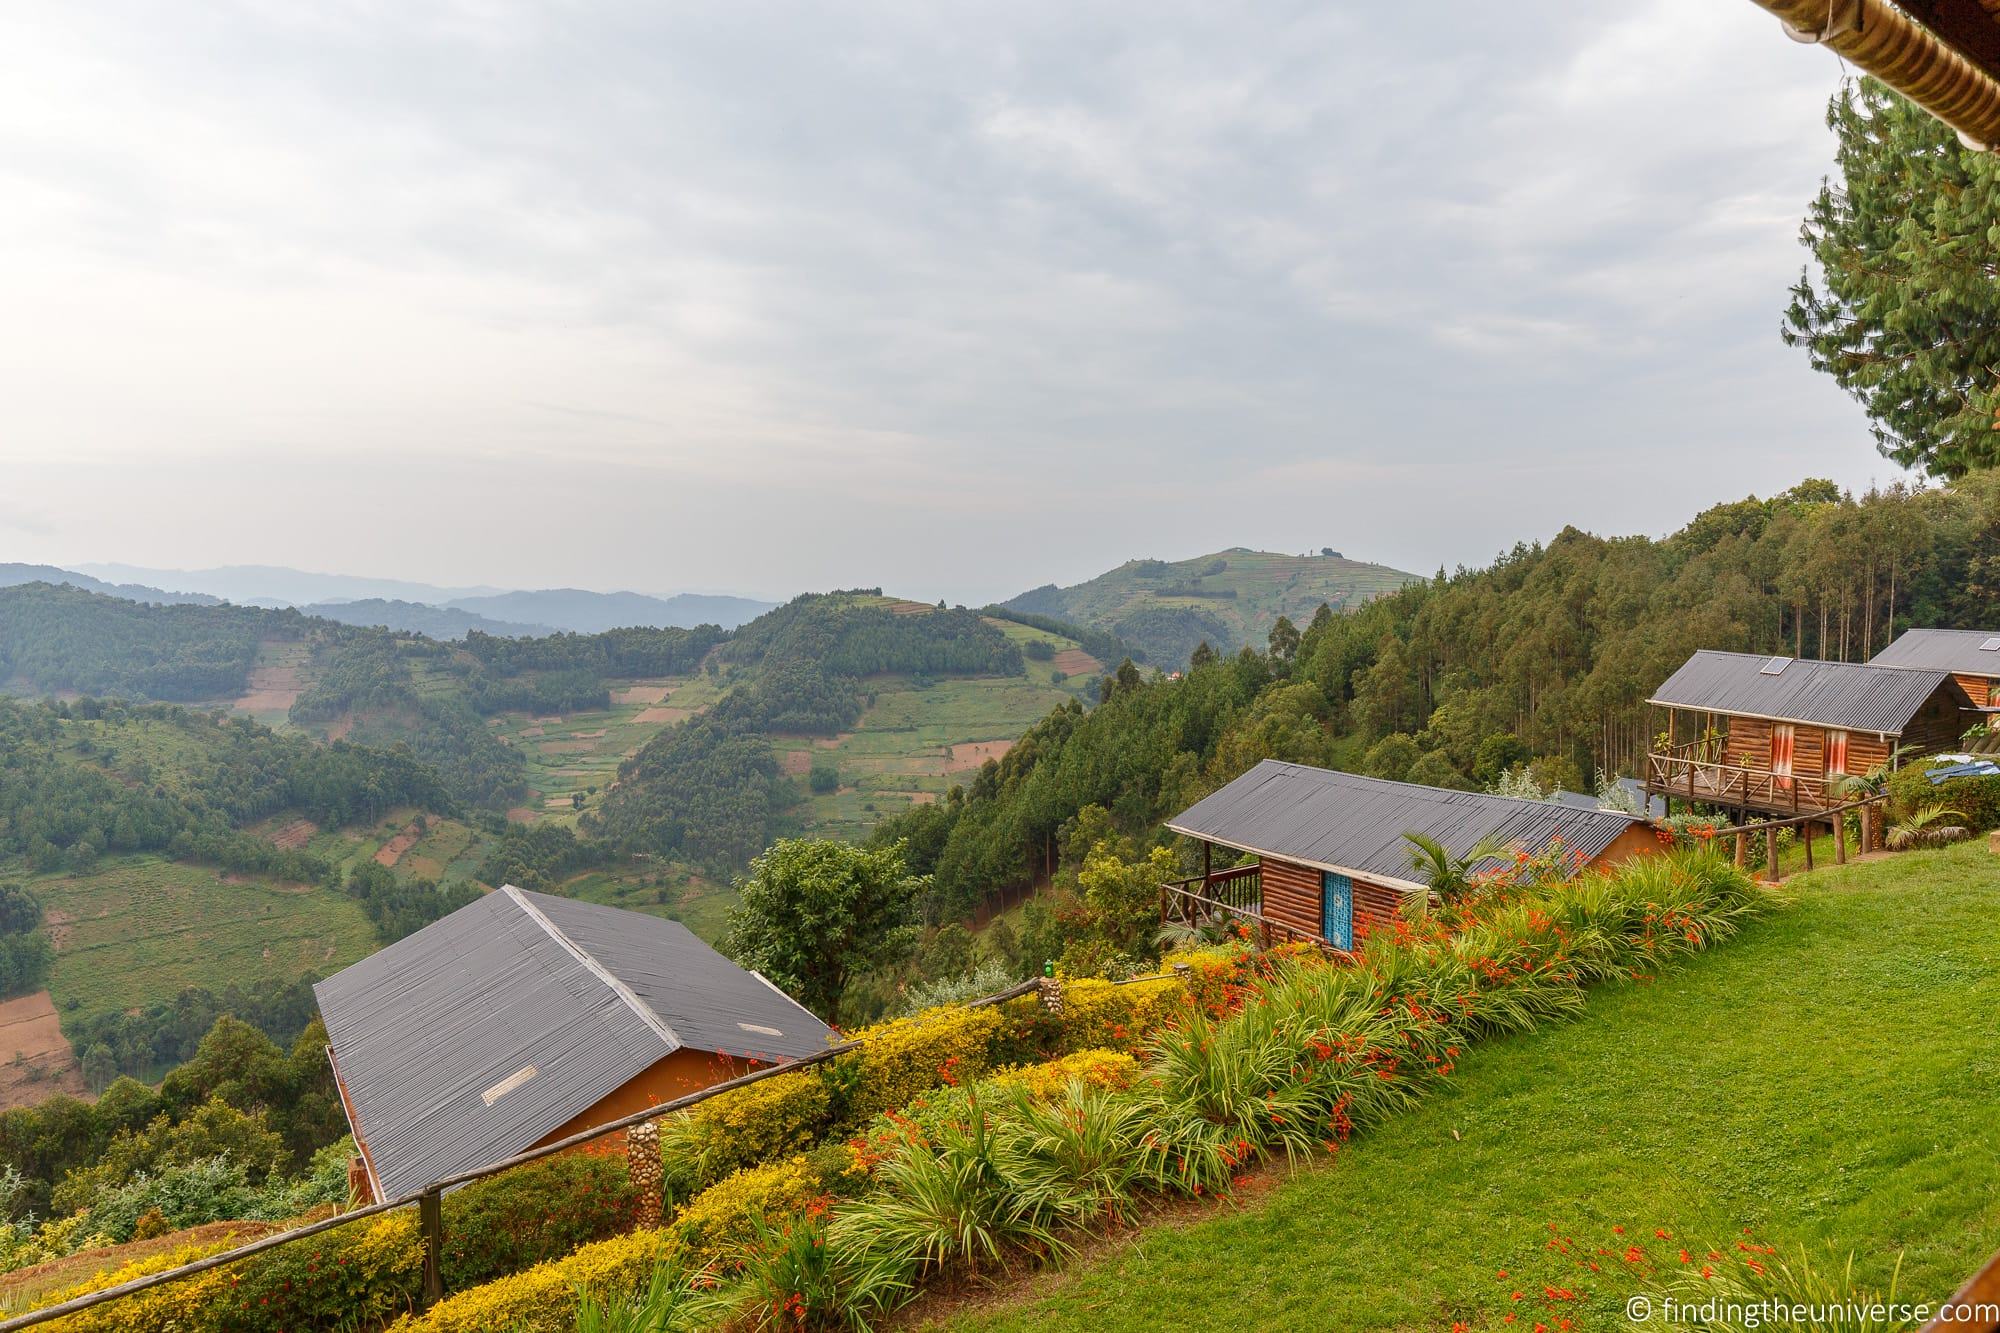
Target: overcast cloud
{"points": [[766, 297]]}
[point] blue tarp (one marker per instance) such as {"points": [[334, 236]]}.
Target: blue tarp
{"points": [[1981, 768]]}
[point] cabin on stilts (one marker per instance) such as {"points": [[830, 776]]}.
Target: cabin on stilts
{"points": [[1759, 735]]}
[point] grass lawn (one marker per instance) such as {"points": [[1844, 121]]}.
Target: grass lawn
{"points": [[144, 929], [1831, 1077]]}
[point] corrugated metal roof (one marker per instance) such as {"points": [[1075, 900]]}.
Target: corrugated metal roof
{"points": [[1943, 650], [482, 1033], [1346, 822], [1851, 695]]}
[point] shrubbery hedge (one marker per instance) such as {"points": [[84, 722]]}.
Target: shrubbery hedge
{"points": [[1976, 798]]}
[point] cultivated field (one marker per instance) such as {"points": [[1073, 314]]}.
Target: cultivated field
{"points": [[145, 929], [567, 755], [913, 744], [36, 1061]]}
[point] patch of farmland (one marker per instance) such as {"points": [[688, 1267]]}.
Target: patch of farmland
{"points": [[277, 678], [144, 929], [36, 1061]]}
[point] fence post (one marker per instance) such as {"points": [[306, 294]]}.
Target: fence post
{"points": [[642, 1164], [1840, 839], [430, 1220], [1771, 853], [1050, 991], [1805, 832], [1742, 848]]}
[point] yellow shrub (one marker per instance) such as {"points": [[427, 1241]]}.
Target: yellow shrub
{"points": [[718, 1220], [755, 1124], [1106, 1069], [1103, 1014], [178, 1307], [543, 1299], [906, 1056]]}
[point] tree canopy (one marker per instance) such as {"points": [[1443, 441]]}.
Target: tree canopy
{"points": [[1905, 311]]}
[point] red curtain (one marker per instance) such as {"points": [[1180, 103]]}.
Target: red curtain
{"points": [[1781, 754], [1836, 753]]}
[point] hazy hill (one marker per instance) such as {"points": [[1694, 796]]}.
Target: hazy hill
{"points": [[1164, 608], [276, 585], [583, 612], [437, 622], [13, 575]]}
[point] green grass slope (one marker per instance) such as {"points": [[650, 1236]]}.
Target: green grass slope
{"points": [[1164, 608], [1828, 1079]]}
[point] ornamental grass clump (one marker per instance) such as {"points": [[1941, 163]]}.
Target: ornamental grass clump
{"points": [[1074, 1158]]}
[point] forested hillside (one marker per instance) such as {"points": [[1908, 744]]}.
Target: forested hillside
{"points": [[1164, 608], [1547, 654], [711, 789]]}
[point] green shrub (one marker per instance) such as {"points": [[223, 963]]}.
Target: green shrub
{"points": [[533, 1213], [1976, 798]]}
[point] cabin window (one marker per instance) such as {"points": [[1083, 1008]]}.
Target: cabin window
{"points": [[1836, 753], [1781, 754]]}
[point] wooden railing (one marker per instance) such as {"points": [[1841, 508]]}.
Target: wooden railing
{"points": [[1732, 784], [1234, 894], [1868, 812]]}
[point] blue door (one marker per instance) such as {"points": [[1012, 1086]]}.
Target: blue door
{"points": [[1337, 909]]}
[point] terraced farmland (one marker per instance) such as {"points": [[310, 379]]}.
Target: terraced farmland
{"points": [[145, 929]]}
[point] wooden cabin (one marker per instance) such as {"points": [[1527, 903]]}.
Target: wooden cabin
{"points": [[1332, 862], [1972, 656], [522, 1019], [1774, 735]]}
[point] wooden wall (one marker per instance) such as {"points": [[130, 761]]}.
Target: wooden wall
{"points": [[1979, 687], [1292, 898], [1938, 724]]}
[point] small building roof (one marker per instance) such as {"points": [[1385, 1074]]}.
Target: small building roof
{"points": [[1853, 696], [480, 1034], [1968, 652], [1355, 825]]}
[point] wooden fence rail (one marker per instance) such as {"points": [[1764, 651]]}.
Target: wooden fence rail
{"points": [[429, 1199]]}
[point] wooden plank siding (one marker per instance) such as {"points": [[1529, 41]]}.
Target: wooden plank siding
{"points": [[1292, 892], [1292, 896], [1937, 725], [1980, 688]]}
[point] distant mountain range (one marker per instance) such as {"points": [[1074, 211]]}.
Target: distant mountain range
{"points": [[401, 604], [436, 622], [592, 612], [1164, 608], [14, 574]]}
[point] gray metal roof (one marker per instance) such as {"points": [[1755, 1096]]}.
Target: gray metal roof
{"points": [[482, 1033], [1944, 650], [1854, 696], [1343, 821]]}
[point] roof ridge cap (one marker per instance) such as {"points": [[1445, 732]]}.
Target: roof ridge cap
{"points": [[643, 1011]]}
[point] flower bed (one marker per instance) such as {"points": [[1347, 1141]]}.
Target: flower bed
{"points": [[980, 1179]]}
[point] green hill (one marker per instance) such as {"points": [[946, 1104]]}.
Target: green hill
{"points": [[1163, 608]]}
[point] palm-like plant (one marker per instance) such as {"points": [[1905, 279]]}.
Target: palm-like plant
{"points": [[1449, 877], [1926, 826]]}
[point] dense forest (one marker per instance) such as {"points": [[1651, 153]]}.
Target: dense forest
{"points": [[62, 638], [1548, 654], [83, 779]]}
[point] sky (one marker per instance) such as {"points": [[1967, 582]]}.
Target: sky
{"points": [[958, 300]]}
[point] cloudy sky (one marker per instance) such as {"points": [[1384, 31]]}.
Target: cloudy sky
{"points": [[762, 297]]}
